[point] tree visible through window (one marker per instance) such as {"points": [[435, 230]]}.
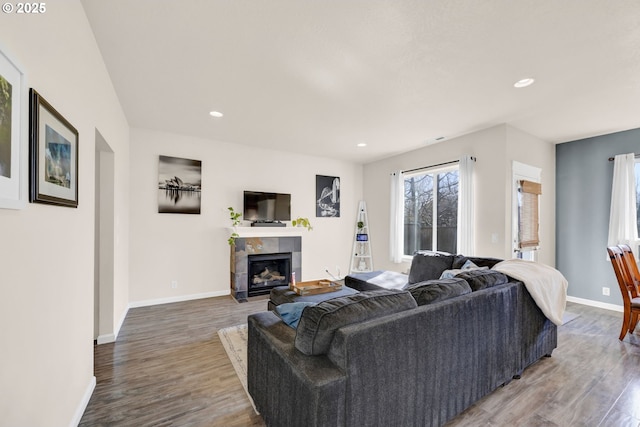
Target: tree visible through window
{"points": [[431, 223]]}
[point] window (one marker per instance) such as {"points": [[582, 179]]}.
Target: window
{"points": [[431, 211], [528, 215]]}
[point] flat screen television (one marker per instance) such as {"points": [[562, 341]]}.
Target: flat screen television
{"points": [[266, 207]]}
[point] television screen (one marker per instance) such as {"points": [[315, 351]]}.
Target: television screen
{"points": [[259, 206]]}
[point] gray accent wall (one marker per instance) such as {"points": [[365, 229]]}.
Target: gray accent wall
{"points": [[583, 196]]}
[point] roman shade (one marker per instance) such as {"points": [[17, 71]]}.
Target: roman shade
{"points": [[528, 214]]}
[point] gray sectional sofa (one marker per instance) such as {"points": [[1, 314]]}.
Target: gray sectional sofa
{"points": [[412, 357]]}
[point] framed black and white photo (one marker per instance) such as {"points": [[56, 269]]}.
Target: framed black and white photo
{"points": [[53, 155], [327, 196], [179, 185], [13, 136]]}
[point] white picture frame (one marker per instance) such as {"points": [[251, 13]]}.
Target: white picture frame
{"points": [[13, 135]]}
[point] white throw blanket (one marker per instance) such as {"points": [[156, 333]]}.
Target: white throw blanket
{"points": [[390, 280], [547, 286]]}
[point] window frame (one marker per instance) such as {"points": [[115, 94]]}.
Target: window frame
{"points": [[522, 171], [429, 171]]}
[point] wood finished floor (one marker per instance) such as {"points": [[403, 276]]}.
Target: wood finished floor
{"points": [[169, 368]]}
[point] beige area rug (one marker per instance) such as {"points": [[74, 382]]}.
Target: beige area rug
{"points": [[234, 339]]}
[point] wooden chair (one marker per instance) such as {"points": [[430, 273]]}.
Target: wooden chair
{"points": [[628, 288], [632, 266]]}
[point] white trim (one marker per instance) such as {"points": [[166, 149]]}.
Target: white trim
{"points": [[180, 298], [105, 339], [82, 406], [124, 316], [521, 171], [598, 304], [267, 231]]}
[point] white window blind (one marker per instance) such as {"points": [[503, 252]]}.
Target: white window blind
{"points": [[528, 214]]}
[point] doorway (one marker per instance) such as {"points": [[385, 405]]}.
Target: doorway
{"points": [[104, 259]]}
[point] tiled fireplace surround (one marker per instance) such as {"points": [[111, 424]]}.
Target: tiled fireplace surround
{"points": [[245, 246]]}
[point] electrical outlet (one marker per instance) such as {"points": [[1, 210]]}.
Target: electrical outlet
{"points": [[174, 284], [605, 291]]}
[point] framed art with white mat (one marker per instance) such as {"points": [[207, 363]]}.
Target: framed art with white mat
{"points": [[13, 136]]}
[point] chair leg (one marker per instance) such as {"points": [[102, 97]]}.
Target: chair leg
{"points": [[634, 321], [625, 324]]}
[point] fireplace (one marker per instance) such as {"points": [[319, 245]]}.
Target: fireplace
{"points": [[266, 271], [278, 245]]}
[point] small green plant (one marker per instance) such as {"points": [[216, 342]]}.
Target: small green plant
{"points": [[235, 220], [302, 222]]}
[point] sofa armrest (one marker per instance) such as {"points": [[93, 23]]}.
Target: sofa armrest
{"points": [[287, 387]]}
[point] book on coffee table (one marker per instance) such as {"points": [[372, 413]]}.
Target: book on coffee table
{"points": [[316, 287]]}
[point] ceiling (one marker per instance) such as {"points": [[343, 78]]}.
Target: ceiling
{"points": [[319, 77]]}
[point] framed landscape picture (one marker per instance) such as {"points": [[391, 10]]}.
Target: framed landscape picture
{"points": [[13, 137], [327, 196], [179, 185], [53, 155]]}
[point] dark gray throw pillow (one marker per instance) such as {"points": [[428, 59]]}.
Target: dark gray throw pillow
{"points": [[319, 323], [482, 279], [429, 265], [438, 290]]}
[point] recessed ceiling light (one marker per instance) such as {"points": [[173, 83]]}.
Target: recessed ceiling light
{"points": [[362, 144], [524, 82], [216, 114]]}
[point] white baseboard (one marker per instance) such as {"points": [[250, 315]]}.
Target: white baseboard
{"points": [[107, 338], [597, 304], [180, 298], [82, 406], [121, 322]]}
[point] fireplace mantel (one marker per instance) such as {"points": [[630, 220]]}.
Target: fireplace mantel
{"points": [[267, 231]]}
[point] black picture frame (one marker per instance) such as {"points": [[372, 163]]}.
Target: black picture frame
{"points": [[53, 155], [179, 185], [327, 196]]}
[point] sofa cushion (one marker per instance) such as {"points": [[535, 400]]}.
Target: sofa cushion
{"points": [[460, 260], [438, 290], [482, 279], [429, 265], [291, 312], [318, 323]]}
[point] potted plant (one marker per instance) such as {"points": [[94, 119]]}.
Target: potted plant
{"points": [[302, 222], [235, 220]]}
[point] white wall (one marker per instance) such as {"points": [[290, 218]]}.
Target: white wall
{"points": [[495, 149], [193, 249], [46, 307]]}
